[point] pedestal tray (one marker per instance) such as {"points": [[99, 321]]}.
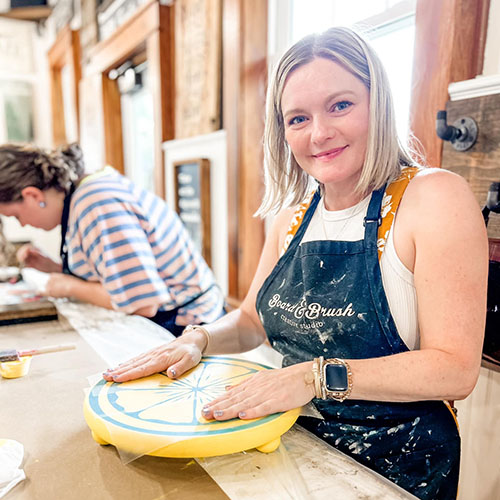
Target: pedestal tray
{"points": [[159, 416]]}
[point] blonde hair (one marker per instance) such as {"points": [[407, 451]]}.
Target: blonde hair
{"points": [[286, 182], [24, 165]]}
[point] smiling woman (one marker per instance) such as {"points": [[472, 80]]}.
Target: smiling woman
{"points": [[379, 325], [326, 115]]}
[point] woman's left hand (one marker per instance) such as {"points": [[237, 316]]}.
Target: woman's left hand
{"points": [[267, 392], [60, 285]]}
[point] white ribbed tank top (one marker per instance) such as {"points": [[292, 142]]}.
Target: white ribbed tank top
{"points": [[397, 280]]}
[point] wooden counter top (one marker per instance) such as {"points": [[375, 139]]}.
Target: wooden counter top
{"points": [[43, 411]]}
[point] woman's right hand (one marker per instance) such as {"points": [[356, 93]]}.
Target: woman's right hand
{"points": [[175, 358], [30, 256]]}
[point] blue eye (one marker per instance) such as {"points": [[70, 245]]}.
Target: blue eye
{"points": [[297, 120], [341, 106]]}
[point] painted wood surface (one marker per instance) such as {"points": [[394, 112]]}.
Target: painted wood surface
{"points": [[449, 47], [479, 414], [197, 67], [481, 164]]}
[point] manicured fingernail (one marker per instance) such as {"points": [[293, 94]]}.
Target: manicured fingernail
{"points": [[114, 378], [205, 410], [218, 413], [242, 414], [173, 372]]}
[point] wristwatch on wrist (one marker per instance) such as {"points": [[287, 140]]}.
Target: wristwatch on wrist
{"points": [[336, 378]]}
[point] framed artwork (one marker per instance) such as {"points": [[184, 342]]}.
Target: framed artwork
{"points": [[192, 201]]}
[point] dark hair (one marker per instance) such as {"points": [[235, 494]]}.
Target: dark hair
{"points": [[22, 166]]}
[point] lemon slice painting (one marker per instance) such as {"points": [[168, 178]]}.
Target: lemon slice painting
{"points": [[159, 416]]}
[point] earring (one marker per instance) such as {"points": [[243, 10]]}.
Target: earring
{"points": [[42, 204]]}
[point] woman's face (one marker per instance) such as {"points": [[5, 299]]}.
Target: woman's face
{"points": [[326, 114], [29, 212]]}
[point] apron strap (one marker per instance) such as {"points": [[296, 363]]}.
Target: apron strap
{"points": [[63, 251], [390, 203]]}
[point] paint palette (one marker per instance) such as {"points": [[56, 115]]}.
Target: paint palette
{"points": [[159, 416]]}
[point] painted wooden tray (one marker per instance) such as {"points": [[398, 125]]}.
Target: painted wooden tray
{"points": [[162, 417]]}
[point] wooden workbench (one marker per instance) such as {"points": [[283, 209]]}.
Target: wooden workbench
{"points": [[43, 411]]}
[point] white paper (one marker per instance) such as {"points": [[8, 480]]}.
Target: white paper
{"points": [[11, 457]]}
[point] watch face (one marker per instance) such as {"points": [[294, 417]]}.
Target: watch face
{"points": [[336, 378]]}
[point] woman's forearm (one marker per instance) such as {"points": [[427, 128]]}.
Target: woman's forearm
{"points": [[91, 292], [428, 374], [61, 285], [233, 333]]}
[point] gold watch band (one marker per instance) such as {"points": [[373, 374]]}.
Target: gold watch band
{"points": [[318, 377]]}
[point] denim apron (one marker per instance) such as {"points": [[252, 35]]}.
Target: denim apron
{"points": [[326, 298]]}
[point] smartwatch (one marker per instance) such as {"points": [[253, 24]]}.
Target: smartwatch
{"points": [[337, 379]]}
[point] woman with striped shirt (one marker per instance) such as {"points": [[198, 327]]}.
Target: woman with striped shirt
{"points": [[122, 247]]}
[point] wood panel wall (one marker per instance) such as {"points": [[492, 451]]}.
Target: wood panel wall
{"points": [[244, 85], [449, 47], [64, 52], [198, 58], [150, 32], [481, 164]]}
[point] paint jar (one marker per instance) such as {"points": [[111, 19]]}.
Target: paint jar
{"points": [[15, 369]]}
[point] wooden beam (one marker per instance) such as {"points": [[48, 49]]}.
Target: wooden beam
{"points": [[58, 53], [112, 115], [449, 47], [126, 39], [57, 105], [244, 84], [65, 51], [150, 32], [231, 64], [76, 54], [161, 67], [254, 84]]}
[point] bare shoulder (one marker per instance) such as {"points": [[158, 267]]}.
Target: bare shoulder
{"points": [[438, 214], [440, 184], [437, 195]]}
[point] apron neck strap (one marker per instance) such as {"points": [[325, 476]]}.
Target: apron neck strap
{"points": [[63, 252], [373, 218]]}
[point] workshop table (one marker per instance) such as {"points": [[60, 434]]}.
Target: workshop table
{"points": [[43, 411]]}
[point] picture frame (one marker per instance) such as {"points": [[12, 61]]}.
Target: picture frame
{"points": [[192, 202]]}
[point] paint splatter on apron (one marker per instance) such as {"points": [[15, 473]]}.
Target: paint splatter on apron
{"points": [[326, 298]]}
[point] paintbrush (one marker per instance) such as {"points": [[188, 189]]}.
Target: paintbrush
{"points": [[14, 354]]}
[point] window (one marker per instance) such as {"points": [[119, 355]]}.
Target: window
{"points": [[137, 122], [16, 112]]}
